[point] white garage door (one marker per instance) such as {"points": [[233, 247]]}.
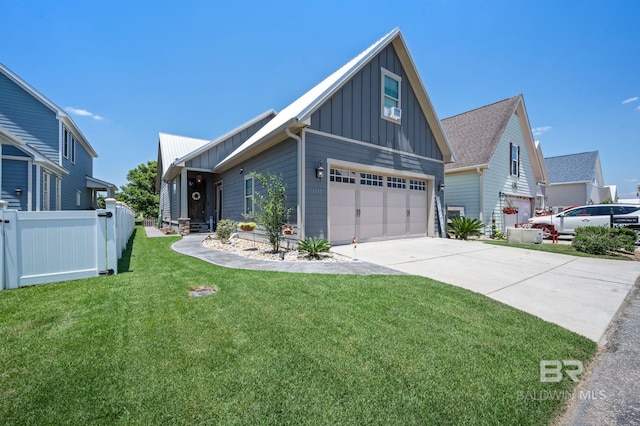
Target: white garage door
{"points": [[372, 206]]}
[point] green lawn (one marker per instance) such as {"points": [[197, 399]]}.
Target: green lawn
{"points": [[271, 348], [556, 248]]}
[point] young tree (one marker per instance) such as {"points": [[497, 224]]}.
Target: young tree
{"points": [[139, 193], [272, 211]]}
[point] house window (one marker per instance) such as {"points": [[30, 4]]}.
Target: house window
{"points": [[514, 159], [58, 193], [391, 89], [248, 195], [65, 142], [78, 199], [46, 191]]}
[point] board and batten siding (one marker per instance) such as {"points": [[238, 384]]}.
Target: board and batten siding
{"points": [[280, 159], [354, 111], [211, 157], [323, 147], [28, 118]]}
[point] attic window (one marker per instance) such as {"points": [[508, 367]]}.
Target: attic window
{"points": [[391, 90], [514, 158]]}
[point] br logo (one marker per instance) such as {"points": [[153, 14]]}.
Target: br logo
{"points": [[551, 371]]}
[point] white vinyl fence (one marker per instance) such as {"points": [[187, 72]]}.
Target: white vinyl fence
{"points": [[52, 246]]}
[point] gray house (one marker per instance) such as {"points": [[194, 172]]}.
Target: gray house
{"points": [[47, 163], [362, 155], [498, 165], [576, 179]]}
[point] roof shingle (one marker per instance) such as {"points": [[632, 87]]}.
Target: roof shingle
{"points": [[474, 135]]}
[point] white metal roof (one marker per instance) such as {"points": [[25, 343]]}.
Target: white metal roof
{"points": [[306, 104], [174, 147]]}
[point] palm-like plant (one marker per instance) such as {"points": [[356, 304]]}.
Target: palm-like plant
{"points": [[464, 227], [314, 246]]}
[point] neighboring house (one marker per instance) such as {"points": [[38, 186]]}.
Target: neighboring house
{"points": [[497, 164], [47, 163], [362, 155], [576, 179]]}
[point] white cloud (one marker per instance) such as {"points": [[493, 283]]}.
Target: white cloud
{"points": [[537, 131], [83, 112], [638, 108], [626, 101]]}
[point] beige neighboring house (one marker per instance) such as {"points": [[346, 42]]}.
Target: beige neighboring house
{"points": [[575, 180]]}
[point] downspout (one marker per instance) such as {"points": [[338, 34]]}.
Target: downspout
{"points": [[481, 194], [301, 181]]}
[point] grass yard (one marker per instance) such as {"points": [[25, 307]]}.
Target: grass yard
{"points": [[271, 348], [560, 249]]}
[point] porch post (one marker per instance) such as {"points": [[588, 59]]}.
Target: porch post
{"points": [[184, 207]]}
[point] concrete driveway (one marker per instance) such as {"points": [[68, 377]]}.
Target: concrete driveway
{"points": [[580, 294]]}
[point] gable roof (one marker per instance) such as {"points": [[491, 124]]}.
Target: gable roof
{"points": [[61, 114], [174, 147], [582, 167], [475, 134], [297, 114], [177, 150]]}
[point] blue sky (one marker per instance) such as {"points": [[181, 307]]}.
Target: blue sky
{"points": [[128, 70]]}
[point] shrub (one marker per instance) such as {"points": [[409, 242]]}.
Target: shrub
{"points": [[464, 227], [272, 211], [247, 225], [225, 228], [314, 246], [603, 240]]}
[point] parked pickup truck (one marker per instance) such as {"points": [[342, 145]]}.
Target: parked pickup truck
{"points": [[567, 221]]}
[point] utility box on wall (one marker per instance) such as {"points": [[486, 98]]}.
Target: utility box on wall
{"points": [[524, 235]]}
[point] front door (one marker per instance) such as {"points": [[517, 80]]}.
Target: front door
{"points": [[197, 199]]}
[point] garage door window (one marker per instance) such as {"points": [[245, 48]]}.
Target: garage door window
{"points": [[343, 176], [371, 180], [396, 182], [417, 185]]}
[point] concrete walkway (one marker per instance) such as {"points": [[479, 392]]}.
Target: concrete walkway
{"points": [[191, 245], [577, 293]]}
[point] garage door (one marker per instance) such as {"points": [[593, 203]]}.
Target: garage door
{"points": [[373, 206]]}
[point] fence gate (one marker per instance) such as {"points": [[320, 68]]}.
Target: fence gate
{"points": [[51, 246]]}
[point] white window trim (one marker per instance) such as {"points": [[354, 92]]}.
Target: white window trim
{"points": [[65, 142], [385, 72], [512, 147], [58, 193], [46, 191], [253, 191], [73, 149]]}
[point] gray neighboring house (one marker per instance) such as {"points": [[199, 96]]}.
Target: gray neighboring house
{"points": [[497, 164], [362, 155], [576, 179]]}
